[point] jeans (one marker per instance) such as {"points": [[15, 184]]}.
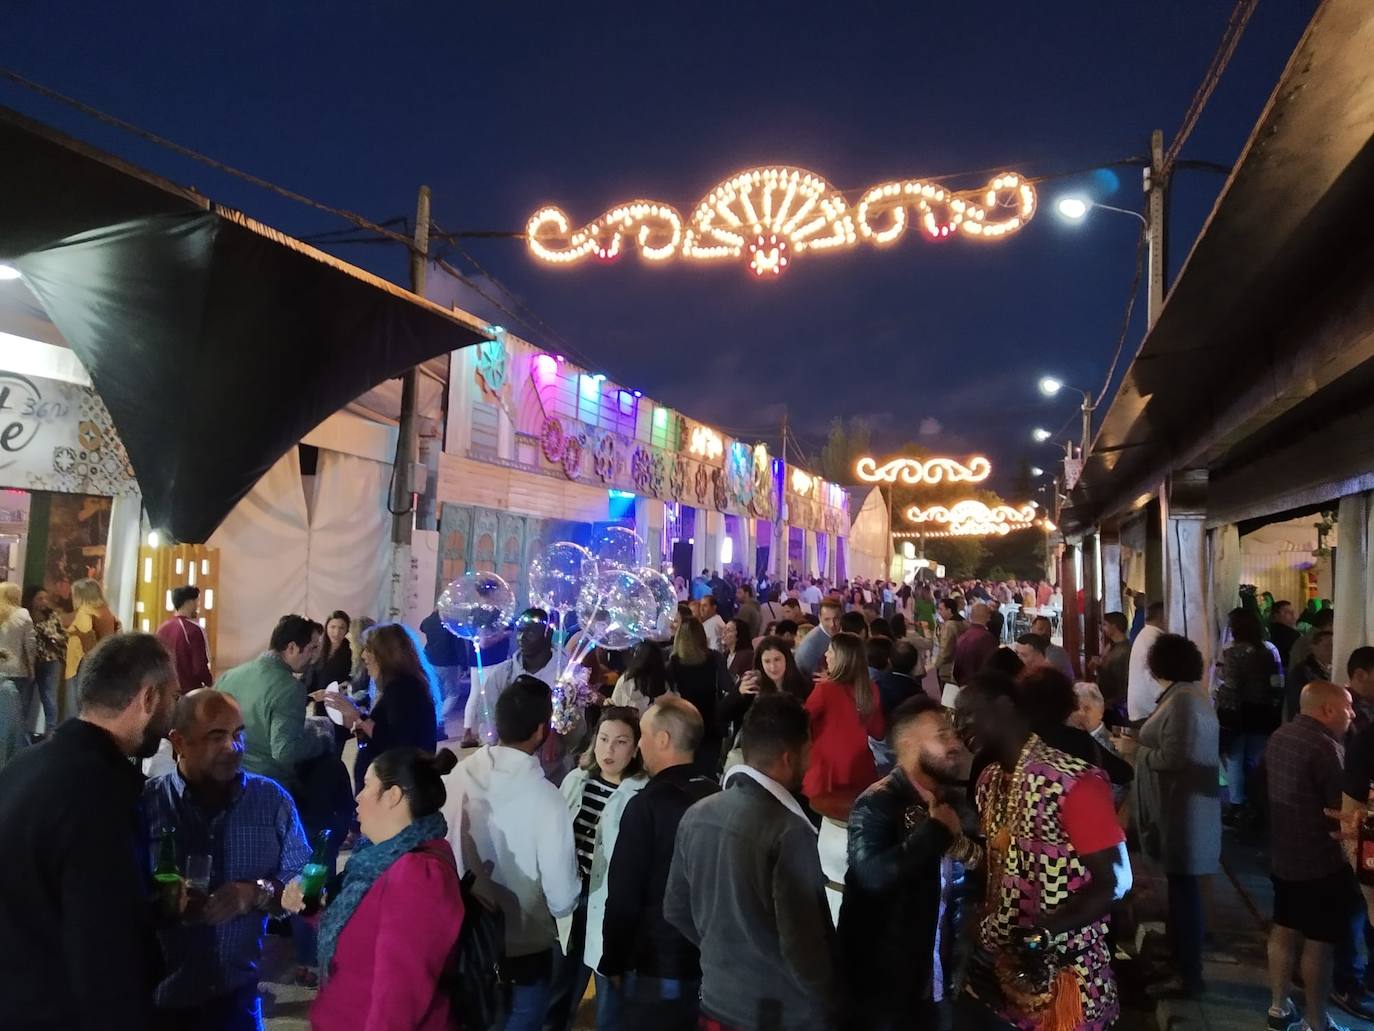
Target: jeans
{"points": [[23, 687], [660, 1003], [532, 978], [240, 1011], [1241, 761], [1187, 925], [1351, 960], [46, 677], [570, 975]]}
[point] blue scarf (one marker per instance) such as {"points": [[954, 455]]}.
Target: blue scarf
{"points": [[364, 867]]}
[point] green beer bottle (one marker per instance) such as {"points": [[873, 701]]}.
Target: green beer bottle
{"points": [[315, 873], [167, 876]]}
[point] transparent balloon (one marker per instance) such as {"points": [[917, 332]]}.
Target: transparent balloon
{"points": [[477, 607], [665, 598], [556, 576], [616, 609], [617, 546]]}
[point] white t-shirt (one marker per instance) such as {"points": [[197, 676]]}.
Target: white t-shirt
{"points": [[1142, 689], [713, 627], [811, 595]]}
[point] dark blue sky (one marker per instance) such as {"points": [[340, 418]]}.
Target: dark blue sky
{"points": [[504, 107]]}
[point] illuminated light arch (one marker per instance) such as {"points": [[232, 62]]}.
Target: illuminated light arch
{"points": [[770, 216], [971, 510], [929, 470]]}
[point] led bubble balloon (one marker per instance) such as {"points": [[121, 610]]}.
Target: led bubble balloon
{"points": [[477, 606], [616, 609], [665, 598], [617, 546], [556, 576]]}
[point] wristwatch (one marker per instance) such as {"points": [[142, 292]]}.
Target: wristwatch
{"points": [[268, 893]]}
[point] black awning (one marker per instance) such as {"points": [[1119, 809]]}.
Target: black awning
{"points": [[215, 342]]}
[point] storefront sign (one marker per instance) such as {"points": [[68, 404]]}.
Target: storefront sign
{"points": [[57, 436]]}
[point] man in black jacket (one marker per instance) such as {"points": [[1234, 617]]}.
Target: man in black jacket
{"points": [[906, 852], [658, 969], [77, 949], [746, 887]]}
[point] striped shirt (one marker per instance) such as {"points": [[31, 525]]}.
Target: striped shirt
{"points": [[595, 794]]}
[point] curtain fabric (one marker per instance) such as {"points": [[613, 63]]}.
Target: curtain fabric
{"points": [[350, 534], [279, 556], [1354, 622]]}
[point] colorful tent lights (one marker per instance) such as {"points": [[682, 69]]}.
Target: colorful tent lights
{"points": [[929, 470], [972, 511], [774, 215]]}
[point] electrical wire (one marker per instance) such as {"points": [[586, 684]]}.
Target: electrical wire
{"points": [[1230, 39], [1140, 249], [195, 155]]}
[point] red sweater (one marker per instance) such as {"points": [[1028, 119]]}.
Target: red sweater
{"points": [[186, 641], [390, 954], [841, 762]]}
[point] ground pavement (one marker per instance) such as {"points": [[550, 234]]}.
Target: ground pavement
{"points": [[1235, 964]]}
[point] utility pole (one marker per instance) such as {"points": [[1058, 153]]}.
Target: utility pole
{"points": [[1156, 186], [402, 493]]}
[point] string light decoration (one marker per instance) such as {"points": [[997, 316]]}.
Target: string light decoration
{"points": [[971, 529], [775, 214], [972, 517], [915, 470]]}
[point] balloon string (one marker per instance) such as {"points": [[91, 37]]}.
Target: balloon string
{"points": [[483, 709]]}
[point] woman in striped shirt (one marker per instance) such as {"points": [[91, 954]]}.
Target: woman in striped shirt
{"points": [[607, 777]]}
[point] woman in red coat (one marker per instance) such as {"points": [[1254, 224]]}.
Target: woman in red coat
{"points": [[387, 936], [845, 713]]}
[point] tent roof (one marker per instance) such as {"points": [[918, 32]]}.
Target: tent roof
{"points": [[1286, 231], [215, 342]]}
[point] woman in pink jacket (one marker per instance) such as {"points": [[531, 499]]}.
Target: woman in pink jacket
{"points": [[388, 934]]}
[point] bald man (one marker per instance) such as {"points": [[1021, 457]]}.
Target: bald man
{"points": [[657, 969], [1315, 891], [248, 828]]}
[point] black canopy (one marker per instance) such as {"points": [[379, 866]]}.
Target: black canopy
{"points": [[215, 342]]}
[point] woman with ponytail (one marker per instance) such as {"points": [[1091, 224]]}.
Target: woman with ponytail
{"points": [[387, 935]]}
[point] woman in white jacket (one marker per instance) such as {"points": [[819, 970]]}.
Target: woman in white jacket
{"points": [[608, 776]]}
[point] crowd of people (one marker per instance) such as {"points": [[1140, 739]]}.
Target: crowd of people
{"points": [[860, 811]]}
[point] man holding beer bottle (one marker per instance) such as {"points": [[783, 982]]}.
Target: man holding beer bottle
{"points": [[237, 840]]}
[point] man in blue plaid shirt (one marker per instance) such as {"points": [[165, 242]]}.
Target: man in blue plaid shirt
{"points": [[248, 827]]}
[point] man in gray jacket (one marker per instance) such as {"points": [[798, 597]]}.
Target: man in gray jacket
{"points": [[746, 886]]}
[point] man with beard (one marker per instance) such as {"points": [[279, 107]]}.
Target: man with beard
{"points": [[247, 827], [76, 933], [1056, 862], [907, 850]]}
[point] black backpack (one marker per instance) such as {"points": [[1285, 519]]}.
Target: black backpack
{"points": [[472, 978]]}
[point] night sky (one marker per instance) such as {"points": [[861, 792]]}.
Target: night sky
{"points": [[501, 108]]}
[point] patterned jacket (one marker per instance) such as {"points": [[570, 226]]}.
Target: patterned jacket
{"points": [[1040, 872]]}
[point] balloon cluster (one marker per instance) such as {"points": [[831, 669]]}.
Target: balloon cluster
{"points": [[616, 602], [478, 607]]}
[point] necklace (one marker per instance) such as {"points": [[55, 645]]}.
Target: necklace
{"points": [[997, 827]]}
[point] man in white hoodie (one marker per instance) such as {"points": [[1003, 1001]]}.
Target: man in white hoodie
{"points": [[512, 829]]}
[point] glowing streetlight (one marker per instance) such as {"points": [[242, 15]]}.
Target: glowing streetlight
{"points": [[8, 272], [1072, 208], [1051, 385], [1041, 434], [1037, 471]]}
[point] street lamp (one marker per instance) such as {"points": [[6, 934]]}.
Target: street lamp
{"points": [[1041, 434], [1037, 471], [1050, 386], [1074, 208], [8, 272]]}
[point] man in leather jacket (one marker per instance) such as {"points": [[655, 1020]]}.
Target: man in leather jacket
{"points": [[907, 851]]}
